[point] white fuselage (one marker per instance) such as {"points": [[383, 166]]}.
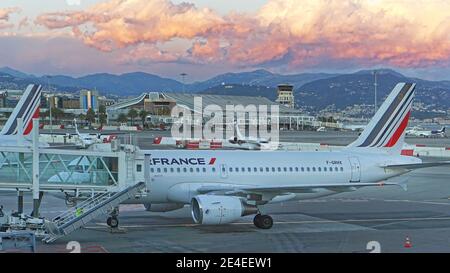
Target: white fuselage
{"points": [[424, 133], [86, 140], [175, 176]]}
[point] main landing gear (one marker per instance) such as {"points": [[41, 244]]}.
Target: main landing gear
{"points": [[263, 221]]}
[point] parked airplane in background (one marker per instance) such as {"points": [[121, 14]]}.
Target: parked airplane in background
{"points": [[222, 186], [355, 127], [416, 131], [26, 109], [248, 143], [86, 140]]}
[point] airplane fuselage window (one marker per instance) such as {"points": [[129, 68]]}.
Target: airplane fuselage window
{"points": [[246, 169]]}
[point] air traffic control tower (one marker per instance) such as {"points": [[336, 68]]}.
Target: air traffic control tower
{"points": [[286, 95]]}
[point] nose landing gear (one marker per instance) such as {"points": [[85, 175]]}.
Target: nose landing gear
{"points": [[113, 221], [263, 221]]}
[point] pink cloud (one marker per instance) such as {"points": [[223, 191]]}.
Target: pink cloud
{"points": [[5, 14], [298, 33], [146, 54]]}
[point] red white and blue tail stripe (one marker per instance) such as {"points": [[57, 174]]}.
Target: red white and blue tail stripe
{"points": [[27, 109], [387, 128]]}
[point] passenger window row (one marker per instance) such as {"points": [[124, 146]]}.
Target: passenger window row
{"points": [[285, 169], [181, 170], [247, 169]]}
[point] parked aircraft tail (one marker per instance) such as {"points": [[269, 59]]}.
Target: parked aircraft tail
{"points": [[386, 130], [76, 126], [27, 109]]}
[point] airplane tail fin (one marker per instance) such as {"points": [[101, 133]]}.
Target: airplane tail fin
{"points": [[386, 130], [76, 126], [27, 109], [238, 132], [443, 129]]}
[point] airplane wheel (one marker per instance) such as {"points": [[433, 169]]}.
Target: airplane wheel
{"points": [[263, 221], [266, 222], [147, 206], [112, 222], [257, 220], [70, 203]]}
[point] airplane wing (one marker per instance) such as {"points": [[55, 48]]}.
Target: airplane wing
{"points": [[280, 189], [417, 165]]}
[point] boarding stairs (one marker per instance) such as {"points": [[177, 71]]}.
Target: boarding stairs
{"points": [[80, 215]]}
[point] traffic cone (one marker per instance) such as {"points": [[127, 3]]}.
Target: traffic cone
{"points": [[407, 243]]}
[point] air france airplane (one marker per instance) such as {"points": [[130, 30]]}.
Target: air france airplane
{"points": [[27, 109], [426, 133], [86, 140], [222, 186], [249, 143]]}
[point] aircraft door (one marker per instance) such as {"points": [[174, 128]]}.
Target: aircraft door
{"points": [[355, 168], [148, 176]]}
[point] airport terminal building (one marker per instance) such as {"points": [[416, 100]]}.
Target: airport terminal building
{"points": [[159, 105]]}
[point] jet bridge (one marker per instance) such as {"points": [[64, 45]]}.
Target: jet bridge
{"points": [[62, 170], [100, 179]]}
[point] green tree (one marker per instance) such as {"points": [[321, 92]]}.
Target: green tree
{"points": [[57, 114], [90, 116], [45, 114], [102, 115], [132, 114], [82, 117], [122, 118], [143, 114]]}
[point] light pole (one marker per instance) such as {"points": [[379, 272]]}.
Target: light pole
{"points": [[183, 78], [52, 101], [375, 72]]}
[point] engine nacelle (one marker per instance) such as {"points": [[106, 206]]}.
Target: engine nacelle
{"points": [[163, 207], [216, 210]]}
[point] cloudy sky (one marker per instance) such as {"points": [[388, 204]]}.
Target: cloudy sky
{"points": [[204, 38]]}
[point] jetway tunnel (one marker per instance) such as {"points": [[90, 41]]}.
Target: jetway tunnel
{"points": [[98, 179]]}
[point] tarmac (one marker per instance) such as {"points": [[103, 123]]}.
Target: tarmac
{"points": [[144, 139], [383, 217], [345, 222]]}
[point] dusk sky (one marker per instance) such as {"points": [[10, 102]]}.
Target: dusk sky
{"points": [[205, 38]]}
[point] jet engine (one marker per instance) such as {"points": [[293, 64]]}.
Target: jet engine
{"points": [[163, 207], [216, 210]]}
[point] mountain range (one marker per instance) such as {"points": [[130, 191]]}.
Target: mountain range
{"points": [[137, 82], [313, 91]]}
